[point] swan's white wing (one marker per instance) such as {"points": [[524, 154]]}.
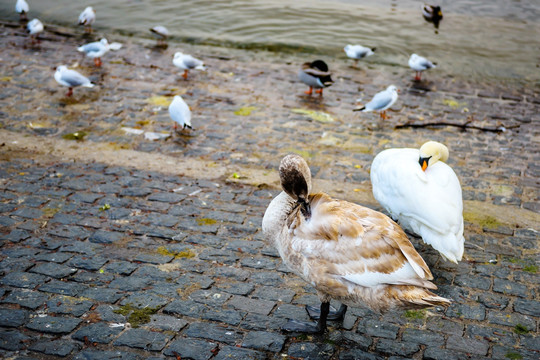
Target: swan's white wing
{"points": [[415, 198]]}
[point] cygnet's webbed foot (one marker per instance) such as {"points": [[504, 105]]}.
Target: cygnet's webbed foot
{"points": [[315, 312], [296, 326]]}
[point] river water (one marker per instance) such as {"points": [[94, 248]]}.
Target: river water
{"points": [[477, 38]]}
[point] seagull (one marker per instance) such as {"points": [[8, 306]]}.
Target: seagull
{"points": [[347, 252], [358, 52], [161, 33], [423, 194], [432, 14], [180, 113], [97, 49], [71, 79], [315, 75], [34, 27], [87, 18], [22, 8], [381, 101], [187, 62], [419, 64]]}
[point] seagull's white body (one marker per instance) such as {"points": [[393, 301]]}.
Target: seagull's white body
{"points": [[98, 48], [428, 203], [71, 78], [187, 62], [87, 17], [419, 63], [382, 100], [21, 7], [34, 27], [180, 113], [160, 31], [357, 52]]}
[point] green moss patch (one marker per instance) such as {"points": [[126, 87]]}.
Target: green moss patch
{"points": [[188, 253], [485, 221], [415, 314], [136, 316], [206, 221], [520, 329]]}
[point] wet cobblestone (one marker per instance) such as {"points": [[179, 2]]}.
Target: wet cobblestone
{"points": [[105, 259]]}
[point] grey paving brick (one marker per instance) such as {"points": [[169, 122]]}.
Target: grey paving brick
{"points": [[274, 294], [214, 332], [467, 311], [467, 345], [419, 336], [102, 294], [477, 282], [120, 267], [511, 319], [401, 348], [236, 288], [153, 258], [166, 323], [70, 232], [62, 287], [13, 317], [26, 298], [230, 352], [60, 348], [436, 353], [308, 350], [145, 299], [168, 197], [28, 213], [445, 326], [57, 257], [265, 341], [186, 308], [17, 235], [251, 305], [143, 339], [13, 340], [23, 279], [92, 263], [494, 335], [210, 297], [53, 324], [510, 287], [61, 304], [92, 354], [54, 270], [190, 349], [101, 332], [106, 237], [377, 328]]}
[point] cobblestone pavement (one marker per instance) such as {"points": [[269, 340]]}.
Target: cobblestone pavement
{"points": [[117, 247]]}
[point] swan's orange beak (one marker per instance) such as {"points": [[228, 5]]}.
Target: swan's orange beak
{"points": [[423, 161]]}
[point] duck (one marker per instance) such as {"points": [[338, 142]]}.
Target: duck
{"points": [[22, 8], [419, 64], [180, 113], [161, 33], [381, 101], [87, 18], [316, 75], [358, 52], [97, 49], [347, 252], [71, 79], [34, 27], [419, 190], [432, 13], [187, 62]]}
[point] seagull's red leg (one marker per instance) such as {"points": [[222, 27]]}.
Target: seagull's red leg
{"points": [[418, 76], [319, 91], [97, 61], [185, 74], [310, 91], [70, 92]]}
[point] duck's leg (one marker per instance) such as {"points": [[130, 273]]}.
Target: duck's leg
{"points": [[315, 313], [310, 91], [310, 328]]}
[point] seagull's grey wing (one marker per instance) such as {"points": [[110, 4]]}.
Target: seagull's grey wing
{"points": [[92, 47], [380, 101], [73, 78], [191, 62], [425, 63]]}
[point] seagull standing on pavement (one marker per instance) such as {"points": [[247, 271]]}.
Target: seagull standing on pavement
{"points": [[187, 62], [97, 49], [34, 27], [381, 101], [161, 33], [419, 64], [71, 79], [358, 52], [87, 18], [180, 113], [21, 7]]}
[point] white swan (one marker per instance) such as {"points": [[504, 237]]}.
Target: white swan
{"points": [[345, 251], [423, 194]]}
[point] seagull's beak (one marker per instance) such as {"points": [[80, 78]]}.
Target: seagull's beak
{"points": [[423, 161]]}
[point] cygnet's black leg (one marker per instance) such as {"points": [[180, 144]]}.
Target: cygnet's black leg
{"points": [[310, 328], [315, 313]]}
